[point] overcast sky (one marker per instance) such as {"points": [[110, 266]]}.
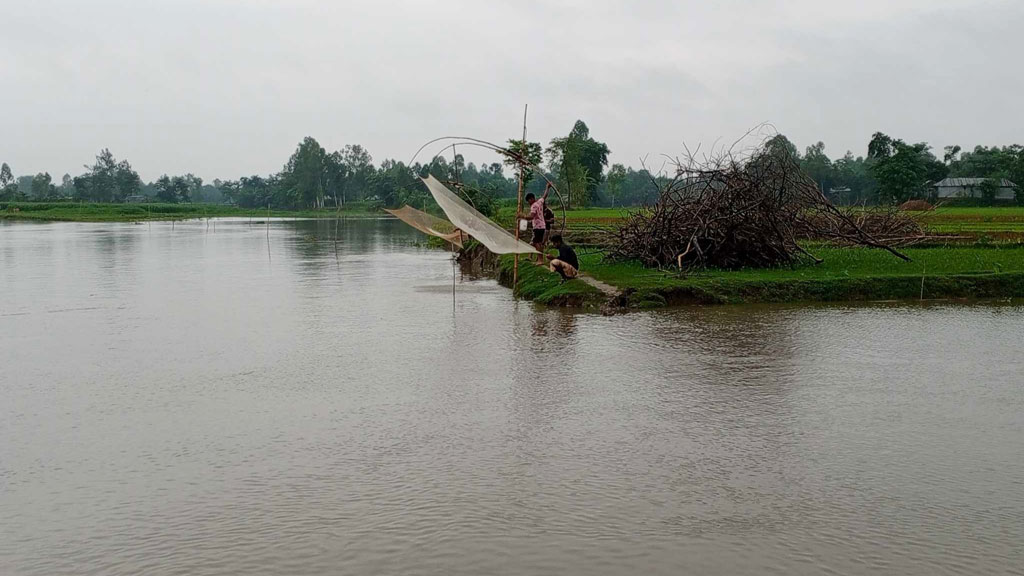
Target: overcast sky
{"points": [[225, 88]]}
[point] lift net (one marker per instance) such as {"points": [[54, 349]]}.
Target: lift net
{"points": [[467, 219], [429, 224]]}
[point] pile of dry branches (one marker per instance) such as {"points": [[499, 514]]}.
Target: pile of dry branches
{"points": [[731, 212]]}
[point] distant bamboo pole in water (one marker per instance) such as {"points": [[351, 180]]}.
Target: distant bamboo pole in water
{"points": [[923, 271]]}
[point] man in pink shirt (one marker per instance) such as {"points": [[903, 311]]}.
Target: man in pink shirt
{"points": [[536, 217]]}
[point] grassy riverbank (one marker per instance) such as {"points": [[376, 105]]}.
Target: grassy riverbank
{"points": [[848, 274], [539, 285], [982, 258], [89, 212]]}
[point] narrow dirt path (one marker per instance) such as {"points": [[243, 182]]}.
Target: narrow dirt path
{"points": [[608, 289]]}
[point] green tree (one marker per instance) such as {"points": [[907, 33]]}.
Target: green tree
{"points": [[252, 191], [359, 170], [395, 184], [108, 180], [579, 161], [903, 170], [529, 151], [950, 154], [854, 178], [42, 186], [178, 189], [167, 189], [336, 177], [616, 179], [818, 166], [6, 178], [781, 146], [8, 184], [67, 186], [489, 179], [304, 177]]}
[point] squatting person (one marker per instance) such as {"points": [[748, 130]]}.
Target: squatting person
{"points": [[566, 264]]}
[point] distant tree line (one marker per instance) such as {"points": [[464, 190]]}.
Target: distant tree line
{"points": [[892, 172]]}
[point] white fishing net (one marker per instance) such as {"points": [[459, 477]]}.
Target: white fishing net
{"points": [[467, 219], [429, 224]]}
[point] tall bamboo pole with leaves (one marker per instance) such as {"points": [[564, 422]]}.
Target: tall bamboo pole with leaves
{"points": [[519, 205]]}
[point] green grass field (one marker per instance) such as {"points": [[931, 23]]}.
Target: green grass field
{"points": [[994, 224], [838, 263], [998, 223]]}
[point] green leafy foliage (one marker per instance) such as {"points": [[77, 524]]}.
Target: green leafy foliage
{"points": [[615, 181], [579, 162], [42, 187], [903, 171], [107, 180], [177, 189], [304, 177], [531, 152]]}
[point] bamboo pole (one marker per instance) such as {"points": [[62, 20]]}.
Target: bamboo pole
{"points": [[519, 205]]}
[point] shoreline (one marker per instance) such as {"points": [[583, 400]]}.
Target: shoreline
{"points": [[154, 212], [646, 289]]}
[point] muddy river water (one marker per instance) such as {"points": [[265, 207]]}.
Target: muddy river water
{"points": [[301, 398]]}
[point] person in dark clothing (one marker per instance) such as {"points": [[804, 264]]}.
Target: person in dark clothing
{"points": [[549, 223], [566, 264]]}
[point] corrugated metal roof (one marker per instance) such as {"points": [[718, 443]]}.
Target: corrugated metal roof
{"points": [[968, 182]]}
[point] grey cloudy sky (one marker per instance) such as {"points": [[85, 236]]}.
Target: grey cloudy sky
{"points": [[225, 88]]}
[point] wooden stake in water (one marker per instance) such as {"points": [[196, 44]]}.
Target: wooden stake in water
{"points": [[923, 270]]}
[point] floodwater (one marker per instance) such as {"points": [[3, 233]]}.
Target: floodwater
{"points": [[301, 398]]}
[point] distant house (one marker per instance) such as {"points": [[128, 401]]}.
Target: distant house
{"points": [[136, 199], [971, 188]]}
